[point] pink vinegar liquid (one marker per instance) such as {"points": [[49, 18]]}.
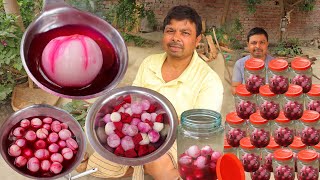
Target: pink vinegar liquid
{"points": [[11, 139], [191, 172], [106, 75]]}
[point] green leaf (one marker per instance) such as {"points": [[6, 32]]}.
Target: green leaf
{"points": [[11, 43]]}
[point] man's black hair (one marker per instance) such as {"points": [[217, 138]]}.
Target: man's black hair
{"points": [[182, 12], [257, 31]]}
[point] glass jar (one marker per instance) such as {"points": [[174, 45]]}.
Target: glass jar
{"points": [[199, 139], [283, 130], [249, 155], [312, 99], [235, 129], [293, 103], [267, 154], [301, 73], [254, 75], [245, 102], [278, 75], [268, 102], [296, 147], [308, 165], [259, 131], [317, 149], [261, 174], [308, 128], [283, 164], [229, 149]]}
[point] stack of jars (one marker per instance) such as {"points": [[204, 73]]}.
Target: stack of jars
{"points": [[272, 109]]}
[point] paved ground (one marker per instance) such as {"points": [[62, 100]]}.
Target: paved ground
{"points": [[136, 55]]}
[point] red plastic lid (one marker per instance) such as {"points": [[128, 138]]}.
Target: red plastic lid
{"points": [[315, 90], [300, 63], [272, 144], [229, 167], [307, 155], [245, 143], [278, 65], [317, 146], [226, 144], [310, 116], [282, 118], [297, 143], [294, 90], [256, 118], [233, 118], [265, 91], [254, 64], [241, 90], [283, 154]]}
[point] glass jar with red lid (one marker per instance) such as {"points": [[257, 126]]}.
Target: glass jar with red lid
{"points": [[302, 73], [278, 75], [317, 149], [312, 99], [254, 74], [283, 130], [259, 131], [235, 129], [229, 149], [296, 147], [293, 102], [245, 102], [267, 154], [308, 128], [283, 164], [308, 165], [249, 155], [268, 102]]}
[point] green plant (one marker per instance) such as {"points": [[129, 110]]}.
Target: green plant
{"points": [[307, 5], [78, 109], [252, 5], [137, 40], [289, 48], [125, 15], [229, 34], [11, 71]]}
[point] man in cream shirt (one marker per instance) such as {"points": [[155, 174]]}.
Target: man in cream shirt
{"points": [[182, 77]]}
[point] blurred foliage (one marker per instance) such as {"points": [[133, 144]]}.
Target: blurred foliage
{"points": [[126, 14], [305, 5], [11, 69], [229, 34], [289, 48], [78, 109]]}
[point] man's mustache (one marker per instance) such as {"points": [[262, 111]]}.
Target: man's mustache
{"points": [[175, 44], [257, 49]]}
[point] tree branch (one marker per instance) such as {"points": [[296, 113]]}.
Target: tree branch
{"points": [[296, 3]]}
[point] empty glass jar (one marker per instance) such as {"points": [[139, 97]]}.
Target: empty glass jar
{"points": [[254, 75]]}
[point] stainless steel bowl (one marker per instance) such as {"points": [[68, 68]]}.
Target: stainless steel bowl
{"points": [[105, 105], [42, 110], [57, 14]]}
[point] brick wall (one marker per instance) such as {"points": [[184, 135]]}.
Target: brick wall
{"points": [[304, 25]]}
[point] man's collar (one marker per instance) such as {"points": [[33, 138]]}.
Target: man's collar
{"points": [[156, 67]]}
